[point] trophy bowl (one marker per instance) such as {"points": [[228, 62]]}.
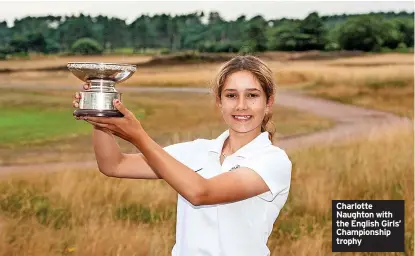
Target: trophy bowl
{"points": [[98, 99]]}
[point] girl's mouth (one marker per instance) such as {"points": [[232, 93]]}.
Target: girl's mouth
{"points": [[242, 117]]}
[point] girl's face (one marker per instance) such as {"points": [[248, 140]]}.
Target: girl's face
{"points": [[243, 102]]}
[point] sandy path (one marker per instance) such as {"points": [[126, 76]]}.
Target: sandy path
{"points": [[351, 122]]}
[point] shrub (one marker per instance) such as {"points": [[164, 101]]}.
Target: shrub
{"points": [[142, 214], [86, 46], [165, 51]]}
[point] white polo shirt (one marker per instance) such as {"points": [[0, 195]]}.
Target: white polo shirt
{"points": [[231, 229]]}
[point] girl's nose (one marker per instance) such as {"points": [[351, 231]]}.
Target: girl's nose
{"points": [[242, 103]]}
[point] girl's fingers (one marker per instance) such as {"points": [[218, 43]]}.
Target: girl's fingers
{"points": [[104, 129], [101, 125], [75, 103], [87, 86], [103, 120]]}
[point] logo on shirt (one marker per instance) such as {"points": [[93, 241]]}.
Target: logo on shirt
{"points": [[235, 167]]}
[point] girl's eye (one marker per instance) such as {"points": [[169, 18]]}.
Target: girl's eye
{"points": [[250, 95]]}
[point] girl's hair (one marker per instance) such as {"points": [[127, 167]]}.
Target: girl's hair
{"points": [[261, 72]]}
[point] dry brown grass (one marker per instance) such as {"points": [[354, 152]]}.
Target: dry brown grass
{"points": [[57, 61], [384, 82], [305, 72], [376, 59], [378, 167], [380, 67], [51, 61], [346, 70], [91, 228], [174, 76]]}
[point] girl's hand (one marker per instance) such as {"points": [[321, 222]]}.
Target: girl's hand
{"points": [[126, 127], [75, 101]]}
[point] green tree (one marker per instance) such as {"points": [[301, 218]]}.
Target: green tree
{"points": [[86, 46], [285, 36], [391, 35], [74, 28], [312, 33], [406, 27], [361, 33], [4, 51], [19, 44], [5, 33], [191, 31], [142, 33], [113, 32], [254, 39], [37, 42], [370, 32]]}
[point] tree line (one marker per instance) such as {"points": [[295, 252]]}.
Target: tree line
{"points": [[84, 34]]}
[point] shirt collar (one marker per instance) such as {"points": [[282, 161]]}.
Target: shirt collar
{"points": [[260, 141]]}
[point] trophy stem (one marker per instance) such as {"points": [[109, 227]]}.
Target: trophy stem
{"points": [[101, 85]]}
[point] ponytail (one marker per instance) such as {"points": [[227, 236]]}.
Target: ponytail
{"points": [[264, 127]]}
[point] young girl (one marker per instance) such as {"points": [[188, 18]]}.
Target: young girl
{"points": [[230, 189]]}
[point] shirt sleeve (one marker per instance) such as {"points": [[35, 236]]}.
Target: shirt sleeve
{"points": [[179, 150], [185, 152], [275, 169]]}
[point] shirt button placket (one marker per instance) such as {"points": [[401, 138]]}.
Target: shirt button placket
{"points": [[226, 164]]}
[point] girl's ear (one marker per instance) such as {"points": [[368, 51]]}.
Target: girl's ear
{"points": [[218, 103]]}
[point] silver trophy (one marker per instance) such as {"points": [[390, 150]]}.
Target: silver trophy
{"points": [[98, 100]]}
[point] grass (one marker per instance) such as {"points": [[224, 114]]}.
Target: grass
{"points": [[375, 60], [125, 211], [38, 126], [358, 170], [393, 94], [55, 61], [28, 203], [27, 125], [107, 216], [378, 81], [81, 212], [163, 76], [384, 82]]}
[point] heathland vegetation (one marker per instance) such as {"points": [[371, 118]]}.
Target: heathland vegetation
{"points": [[81, 212]]}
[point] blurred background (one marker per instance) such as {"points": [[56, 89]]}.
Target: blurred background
{"points": [[344, 114]]}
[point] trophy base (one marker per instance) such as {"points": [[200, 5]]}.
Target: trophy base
{"points": [[97, 113]]}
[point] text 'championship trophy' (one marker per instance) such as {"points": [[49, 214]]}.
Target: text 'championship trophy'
{"points": [[98, 100]]}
